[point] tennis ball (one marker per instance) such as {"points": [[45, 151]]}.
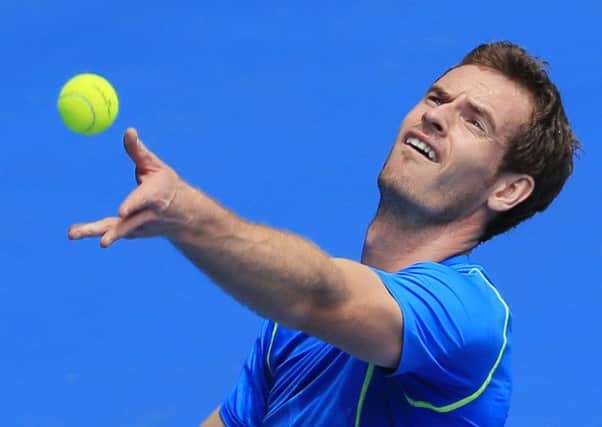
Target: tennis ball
{"points": [[88, 104]]}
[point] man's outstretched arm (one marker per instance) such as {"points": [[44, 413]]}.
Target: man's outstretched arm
{"points": [[278, 274]]}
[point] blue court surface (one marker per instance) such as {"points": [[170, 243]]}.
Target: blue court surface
{"points": [[285, 112]]}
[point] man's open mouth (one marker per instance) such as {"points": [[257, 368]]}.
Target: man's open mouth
{"points": [[423, 148]]}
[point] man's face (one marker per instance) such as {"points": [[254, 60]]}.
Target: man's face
{"points": [[445, 159]]}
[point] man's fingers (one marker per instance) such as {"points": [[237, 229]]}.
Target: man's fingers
{"points": [[138, 200], [92, 229], [127, 227], [111, 229], [142, 156]]}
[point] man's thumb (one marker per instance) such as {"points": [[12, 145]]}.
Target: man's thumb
{"points": [[137, 151]]}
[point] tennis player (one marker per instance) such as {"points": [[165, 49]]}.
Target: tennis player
{"points": [[415, 334]]}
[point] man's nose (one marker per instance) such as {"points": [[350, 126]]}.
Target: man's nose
{"points": [[435, 120]]}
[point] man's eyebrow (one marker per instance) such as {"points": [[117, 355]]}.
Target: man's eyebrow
{"points": [[439, 91], [484, 112], [475, 107]]}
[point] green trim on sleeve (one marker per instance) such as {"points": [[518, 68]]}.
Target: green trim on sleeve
{"points": [[481, 389]]}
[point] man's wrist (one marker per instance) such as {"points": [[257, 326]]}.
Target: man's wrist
{"points": [[195, 216]]}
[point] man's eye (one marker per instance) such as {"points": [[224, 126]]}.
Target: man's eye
{"points": [[434, 99], [476, 124]]}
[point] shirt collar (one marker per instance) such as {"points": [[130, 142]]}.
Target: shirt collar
{"points": [[456, 259]]}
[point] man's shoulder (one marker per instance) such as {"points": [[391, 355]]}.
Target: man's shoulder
{"points": [[456, 332], [456, 292], [456, 276]]}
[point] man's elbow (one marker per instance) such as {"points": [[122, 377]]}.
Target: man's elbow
{"points": [[311, 308]]}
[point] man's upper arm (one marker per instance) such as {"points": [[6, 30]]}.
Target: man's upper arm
{"points": [[367, 323]]}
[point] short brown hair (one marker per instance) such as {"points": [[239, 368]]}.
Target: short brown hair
{"points": [[542, 148]]}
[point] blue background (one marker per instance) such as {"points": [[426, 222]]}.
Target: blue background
{"points": [[284, 111]]}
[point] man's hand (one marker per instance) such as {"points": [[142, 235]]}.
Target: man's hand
{"points": [[149, 210]]}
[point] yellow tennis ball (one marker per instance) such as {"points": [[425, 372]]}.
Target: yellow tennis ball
{"points": [[88, 104]]}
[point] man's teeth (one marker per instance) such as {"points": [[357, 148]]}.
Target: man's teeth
{"points": [[422, 147]]}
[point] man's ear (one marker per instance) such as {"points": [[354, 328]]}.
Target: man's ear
{"points": [[509, 190]]}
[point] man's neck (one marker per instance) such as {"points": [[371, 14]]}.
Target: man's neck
{"points": [[391, 245]]}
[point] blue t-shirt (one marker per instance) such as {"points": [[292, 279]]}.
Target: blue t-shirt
{"points": [[454, 368]]}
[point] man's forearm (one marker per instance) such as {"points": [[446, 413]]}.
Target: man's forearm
{"points": [[277, 274]]}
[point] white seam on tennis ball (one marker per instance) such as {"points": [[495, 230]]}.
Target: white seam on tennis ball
{"points": [[105, 98], [88, 103]]}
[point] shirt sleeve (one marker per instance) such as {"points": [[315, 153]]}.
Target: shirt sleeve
{"points": [[246, 404], [449, 342]]}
